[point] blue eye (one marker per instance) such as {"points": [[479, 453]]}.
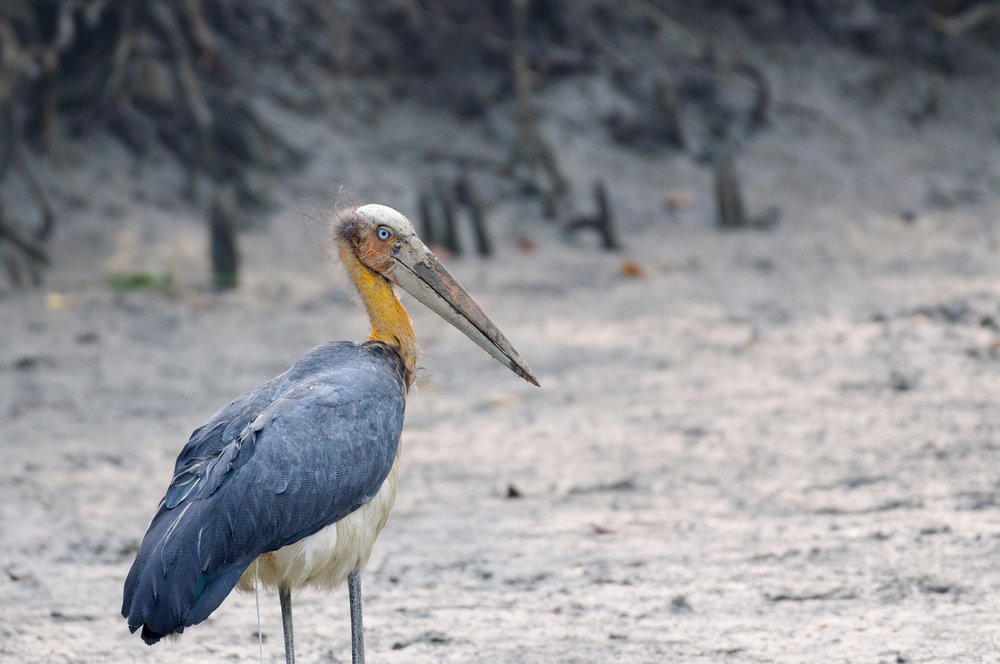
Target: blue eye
{"points": [[383, 233]]}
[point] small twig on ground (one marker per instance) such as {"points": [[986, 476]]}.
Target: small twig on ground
{"points": [[223, 249], [467, 197], [728, 196], [428, 230], [670, 104], [440, 202], [446, 204], [601, 221], [731, 211]]}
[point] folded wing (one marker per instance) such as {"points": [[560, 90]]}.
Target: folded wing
{"points": [[278, 464]]}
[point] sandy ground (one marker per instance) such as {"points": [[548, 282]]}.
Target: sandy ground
{"points": [[773, 447]]}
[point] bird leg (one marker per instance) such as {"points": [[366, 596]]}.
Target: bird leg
{"points": [[357, 632], [285, 595]]}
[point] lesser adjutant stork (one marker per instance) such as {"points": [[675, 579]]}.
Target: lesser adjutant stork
{"points": [[289, 485]]}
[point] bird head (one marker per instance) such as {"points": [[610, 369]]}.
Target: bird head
{"points": [[385, 242]]}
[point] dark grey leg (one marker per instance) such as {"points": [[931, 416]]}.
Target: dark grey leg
{"points": [[285, 595], [357, 632]]}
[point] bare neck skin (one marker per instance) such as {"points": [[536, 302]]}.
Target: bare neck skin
{"points": [[389, 318]]}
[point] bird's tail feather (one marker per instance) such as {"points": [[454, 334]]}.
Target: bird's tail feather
{"points": [[174, 582]]}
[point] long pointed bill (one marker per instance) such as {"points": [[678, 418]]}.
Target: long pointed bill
{"points": [[422, 275]]}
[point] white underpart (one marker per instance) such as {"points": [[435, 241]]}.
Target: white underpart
{"points": [[325, 559]]}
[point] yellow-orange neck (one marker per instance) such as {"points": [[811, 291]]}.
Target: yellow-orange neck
{"points": [[389, 318]]}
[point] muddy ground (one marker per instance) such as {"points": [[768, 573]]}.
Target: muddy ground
{"points": [[768, 447]]}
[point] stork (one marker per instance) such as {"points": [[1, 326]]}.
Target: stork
{"points": [[289, 485]]}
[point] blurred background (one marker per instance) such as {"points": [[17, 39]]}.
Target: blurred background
{"points": [[750, 248]]}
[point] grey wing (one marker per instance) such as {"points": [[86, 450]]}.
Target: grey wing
{"points": [[316, 455], [224, 426], [313, 456]]}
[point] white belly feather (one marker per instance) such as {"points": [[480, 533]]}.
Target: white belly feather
{"points": [[325, 559]]}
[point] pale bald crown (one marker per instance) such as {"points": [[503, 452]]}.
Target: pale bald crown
{"points": [[383, 215]]}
